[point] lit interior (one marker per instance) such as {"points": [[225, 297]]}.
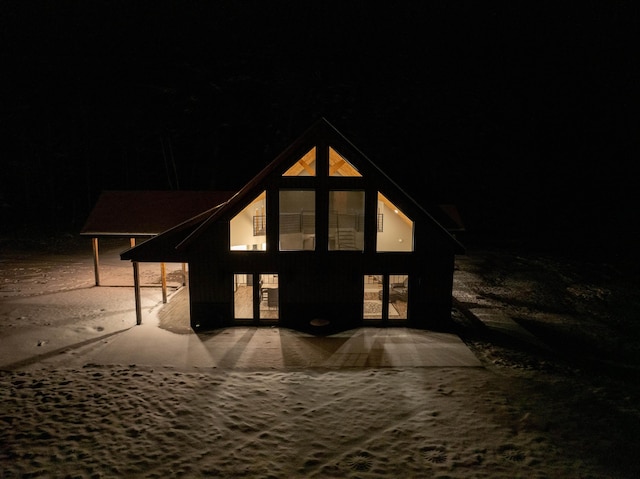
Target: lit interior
{"points": [[248, 228], [305, 166], [397, 290], [246, 294], [395, 229], [346, 220], [339, 166], [297, 220]]}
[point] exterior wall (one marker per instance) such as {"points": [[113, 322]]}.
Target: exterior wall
{"points": [[431, 301], [323, 283], [210, 300], [319, 284], [327, 286]]}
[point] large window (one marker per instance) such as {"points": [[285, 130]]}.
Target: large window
{"points": [[395, 229], [297, 220], [346, 220], [248, 229]]}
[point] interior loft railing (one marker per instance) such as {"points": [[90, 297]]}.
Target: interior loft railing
{"points": [[346, 220], [259, 225], [304, 222], [308, 222]]}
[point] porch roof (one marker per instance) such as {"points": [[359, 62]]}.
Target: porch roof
{"points": [[147, 213]]}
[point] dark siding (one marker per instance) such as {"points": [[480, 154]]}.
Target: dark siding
{"points": [[321, 283]]}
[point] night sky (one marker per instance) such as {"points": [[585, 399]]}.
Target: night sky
{"points": [[524, 114]]}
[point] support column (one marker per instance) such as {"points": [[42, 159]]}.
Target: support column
{"points": [[163, 276], [136, 285], [136, 290], [96, 260]]}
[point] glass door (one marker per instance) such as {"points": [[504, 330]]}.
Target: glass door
{"points": [[385, 297], [269, 295], [398, 297], [256, 297], [243, 297], [372, 299]]}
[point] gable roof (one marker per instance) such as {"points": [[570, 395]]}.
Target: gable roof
{"points": [[147, 213], [322, 132]]}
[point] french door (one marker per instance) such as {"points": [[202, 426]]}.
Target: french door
{"points": [[256, 297], [385, 298]]}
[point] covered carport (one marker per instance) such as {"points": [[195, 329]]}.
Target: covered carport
{"points": [[140, 215]]}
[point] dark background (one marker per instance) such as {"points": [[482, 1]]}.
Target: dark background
{"points": [[524, 114]]}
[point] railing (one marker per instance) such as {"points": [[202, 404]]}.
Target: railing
{"points": [[259, 225], [346, 220], [304, 222]]}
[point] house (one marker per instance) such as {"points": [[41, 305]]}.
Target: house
{"points": [[321, 235]]}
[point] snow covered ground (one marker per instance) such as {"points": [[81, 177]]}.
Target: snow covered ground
{"points": [[549, 390]]}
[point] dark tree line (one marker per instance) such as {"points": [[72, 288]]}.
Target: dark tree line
{"points": [[524, 116]]}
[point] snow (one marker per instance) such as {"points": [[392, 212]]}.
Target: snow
{"points": [[86, 393]]}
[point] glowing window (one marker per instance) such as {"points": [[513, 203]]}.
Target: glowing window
{"points": [[339, 166], [248, 229], [305, 166], [346, 220], [297, 220], [395, 229]]}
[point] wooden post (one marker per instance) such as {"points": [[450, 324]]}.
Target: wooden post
{"points": [[184, 274], [96, 260], [163, 276], [136, 286], [136, 290]]}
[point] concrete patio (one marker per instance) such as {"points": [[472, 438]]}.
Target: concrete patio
{"points": [[236, 348], [251, 348]]}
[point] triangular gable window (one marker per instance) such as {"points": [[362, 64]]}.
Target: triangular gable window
{"points": [[305, 166], [248, 229], [395, 229], [339, 166]]}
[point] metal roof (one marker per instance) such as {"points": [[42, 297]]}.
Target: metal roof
{"points": [[147, 213]]}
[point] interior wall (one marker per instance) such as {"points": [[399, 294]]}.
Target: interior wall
{"points": [[394, 230], [241, 228]]}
